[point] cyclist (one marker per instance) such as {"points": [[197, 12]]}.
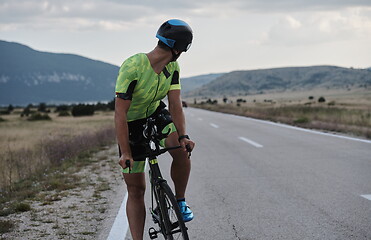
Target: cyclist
{"points": [[143, 81]]}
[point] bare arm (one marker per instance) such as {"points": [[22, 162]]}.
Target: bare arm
{"points": [[176, 111], [122, 131], [177, 114]]}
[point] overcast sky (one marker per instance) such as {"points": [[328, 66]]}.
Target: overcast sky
{"points": [[228, 35]]}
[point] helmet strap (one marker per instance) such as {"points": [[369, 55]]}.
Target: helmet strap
{"points": [[175, 55]]}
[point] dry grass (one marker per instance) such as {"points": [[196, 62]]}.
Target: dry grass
{"points": [[27, 147], [346, 112], [18, 133]]}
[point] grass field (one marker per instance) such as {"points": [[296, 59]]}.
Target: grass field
{"points": [[27, 147], [343, 111]]}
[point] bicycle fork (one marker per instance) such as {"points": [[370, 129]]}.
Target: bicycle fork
{"points": [[156, 180]]}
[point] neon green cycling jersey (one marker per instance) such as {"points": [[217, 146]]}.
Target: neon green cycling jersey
{"points": [[138, 82]]}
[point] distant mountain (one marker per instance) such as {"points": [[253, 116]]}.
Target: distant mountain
{"points": [[192, 83], [281, 79], [30, 76]]}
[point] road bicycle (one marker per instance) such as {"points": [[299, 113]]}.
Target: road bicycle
{"points": [[164, 208]]}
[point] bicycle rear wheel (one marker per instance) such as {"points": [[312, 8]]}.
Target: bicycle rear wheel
{"points": [[171, 216]]}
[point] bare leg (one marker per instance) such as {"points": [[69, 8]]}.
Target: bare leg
{"points": [[135, 208], [180, 167]]}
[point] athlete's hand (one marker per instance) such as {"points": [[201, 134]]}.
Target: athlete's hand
{"points": [[123, 160], [187, 144]]}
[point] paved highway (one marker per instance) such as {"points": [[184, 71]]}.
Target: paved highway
{"points": [[253, 179]]}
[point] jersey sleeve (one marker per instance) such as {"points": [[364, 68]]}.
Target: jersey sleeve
{"points": [[175, 79], [126, 80]]}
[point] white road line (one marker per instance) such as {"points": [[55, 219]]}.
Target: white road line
{"points": [[214, 125], [120, 226], [302, 129], [367, 196], [255, 144]]}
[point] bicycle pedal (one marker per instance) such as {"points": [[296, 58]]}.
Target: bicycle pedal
{"points": [[152, 233]]}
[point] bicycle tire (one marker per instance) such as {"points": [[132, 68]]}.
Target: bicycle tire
{"points": [[171, 216]]}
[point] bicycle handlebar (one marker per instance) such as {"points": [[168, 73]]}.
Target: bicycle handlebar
{"points": [[151, 135], [155, 153]]}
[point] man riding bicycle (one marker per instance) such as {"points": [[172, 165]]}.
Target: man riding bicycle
{"points": [[143, 81]]}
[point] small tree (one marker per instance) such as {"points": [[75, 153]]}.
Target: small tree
{"points": [[26, 111], [39, 117], [62, 108], [225, 99], [42, 107], [310, 97], [10, 108], [321, 100], [111, 105], [83, 110]]}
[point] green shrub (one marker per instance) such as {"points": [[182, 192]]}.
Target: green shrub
{"points": [[64, 114], [62, 108], [209, 101], [302, 120], [42, 107], [4, 112], [2, 119], [39, 117], [6, 226], [26, 111], [332, 103], [111, 105], [22, 207], [10, 108], [83, 110], [321, 100]]}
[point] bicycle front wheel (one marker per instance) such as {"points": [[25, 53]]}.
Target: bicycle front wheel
{"points": [[171, 216]]}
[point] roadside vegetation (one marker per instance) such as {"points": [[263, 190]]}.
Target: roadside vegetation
{"points": [[313, 113], [41, 147]]}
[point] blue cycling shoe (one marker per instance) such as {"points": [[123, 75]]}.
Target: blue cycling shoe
{"points": [[186, 211]]}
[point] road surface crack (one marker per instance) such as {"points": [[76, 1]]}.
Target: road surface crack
{"points": [[235, 232], [228, 217]]}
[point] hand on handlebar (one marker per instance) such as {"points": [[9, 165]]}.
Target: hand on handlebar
{"points": [[187, 145], [126, 162]]}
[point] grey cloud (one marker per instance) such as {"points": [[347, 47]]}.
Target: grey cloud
{"points": [[318, 28], [90, 14], [297, 5]]}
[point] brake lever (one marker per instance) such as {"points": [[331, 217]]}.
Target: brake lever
{"points": [[128, 165], [189, 150]]}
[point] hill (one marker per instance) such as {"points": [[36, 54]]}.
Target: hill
{"points": [[30, 76], [282, 79], [191, 83]]}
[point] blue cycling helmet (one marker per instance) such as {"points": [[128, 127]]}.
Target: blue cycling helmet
{"points": [[176, 34]]}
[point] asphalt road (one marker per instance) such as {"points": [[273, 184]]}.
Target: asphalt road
{"points": [[253, 179]]}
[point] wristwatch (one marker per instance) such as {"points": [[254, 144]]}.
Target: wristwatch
{"points": [[183, 136]]}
